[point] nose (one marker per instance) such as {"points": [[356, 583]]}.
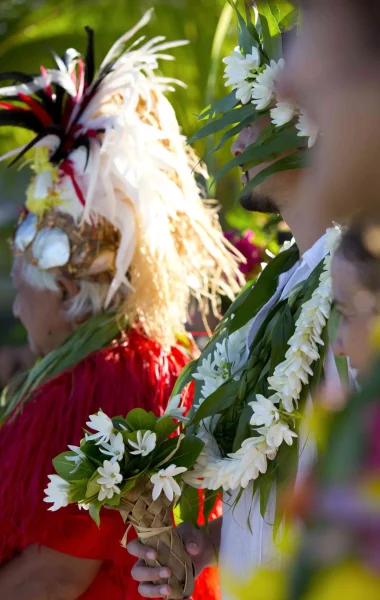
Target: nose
{"points": [[238, 146]]}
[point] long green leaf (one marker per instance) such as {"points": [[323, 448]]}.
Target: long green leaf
{"points": [[219, 107], [288, 163], [285, 140], [220, 400], [215, 125], [246, 40], [257, 295], [270, 30]]}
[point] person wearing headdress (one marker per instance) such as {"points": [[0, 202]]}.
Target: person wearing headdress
{"points": [[255, 381], [114, 239]]}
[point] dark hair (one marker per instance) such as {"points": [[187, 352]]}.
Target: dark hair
{"points": [[357, 247]]}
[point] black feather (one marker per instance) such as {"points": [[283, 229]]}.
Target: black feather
{"points": [[90, 56], [20, 118], [53, 129]]}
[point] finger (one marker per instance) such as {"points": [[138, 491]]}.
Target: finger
{"points": [[193, 548], [136, 548], [140, 572], [154, 591]]}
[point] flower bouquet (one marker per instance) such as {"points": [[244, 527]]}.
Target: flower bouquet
{"points": [[135, 465]]}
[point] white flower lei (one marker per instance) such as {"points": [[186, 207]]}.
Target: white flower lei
{"points": [[251, 84], [275, 415]]}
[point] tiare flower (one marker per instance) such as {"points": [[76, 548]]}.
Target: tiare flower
{"points": [[110, 477], [78, 457], [102, 425], [57, 492], [115, 448], [174, 409], [264, 410], [307, 128], [145, 443], [279, 433], [164, 481], [263, 90], [240, 71], [283, 113]]}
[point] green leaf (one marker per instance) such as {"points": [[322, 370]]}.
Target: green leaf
{"points": [[222, 106], [119, 423], [214, 125], [222, 398], [78, 491], [231, 132], [285, 140], [188, 452], [185, 377], [270, 29], [164, 428], [255, 296], [189, 505], [93, 486], [138, 419], [265, 484], [94, 511], [283, 329], [164, 450], [65, 468], [93, 453], [243, 430], [297, 160], [246, 39], [340, 361]]}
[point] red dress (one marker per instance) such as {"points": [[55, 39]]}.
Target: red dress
{"points": [[134, 373]]}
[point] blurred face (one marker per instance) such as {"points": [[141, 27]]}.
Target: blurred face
{"points": [[276, 192], [335, 76], [42, 312], [357, 310]]}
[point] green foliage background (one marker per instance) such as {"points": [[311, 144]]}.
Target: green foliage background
{"points": [[29, 27]]}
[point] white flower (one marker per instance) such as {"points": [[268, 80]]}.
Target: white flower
{"points": [[279, 433], [164, 480], [83, 506], [264, 411], [174, 409], [57, 492], [115, 448], [110, 477], [283, 113], [145, 443], [239, 70], [308, 129], [107, 492], [103, 425], [264, 87], [77, 459]]}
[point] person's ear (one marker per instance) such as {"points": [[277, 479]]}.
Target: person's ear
{"points": [[69, 289]]}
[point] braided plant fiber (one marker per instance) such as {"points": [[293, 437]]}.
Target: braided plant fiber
{"points": [[152, 521]]}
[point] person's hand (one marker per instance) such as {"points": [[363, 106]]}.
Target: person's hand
{"points": [[197, 543]]}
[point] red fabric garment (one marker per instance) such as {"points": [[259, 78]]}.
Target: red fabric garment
{"points": [[134, 373]]}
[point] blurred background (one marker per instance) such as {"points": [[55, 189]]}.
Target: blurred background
{"points": [[28, 28]]}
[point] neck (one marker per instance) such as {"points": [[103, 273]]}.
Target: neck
{"points": [[305, 227]]}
